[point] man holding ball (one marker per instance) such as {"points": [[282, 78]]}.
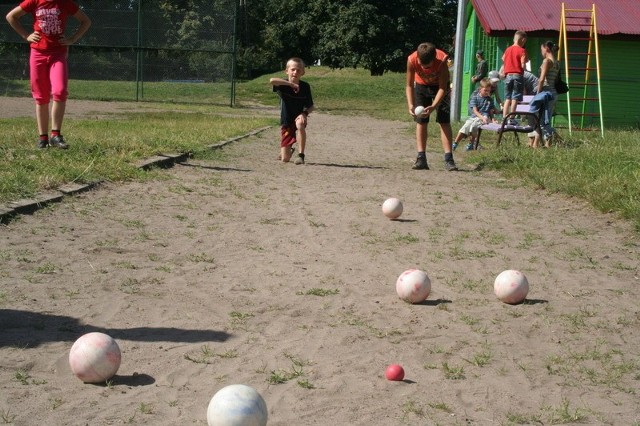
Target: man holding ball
{"points": [[428, 87]]}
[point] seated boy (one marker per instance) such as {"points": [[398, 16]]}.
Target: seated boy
{"points": [[481, 111]]}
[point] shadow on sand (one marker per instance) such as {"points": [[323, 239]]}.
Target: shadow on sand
{"points": [[30, 329]]}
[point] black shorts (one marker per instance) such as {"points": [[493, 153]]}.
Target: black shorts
{"points": [[424, 96]]}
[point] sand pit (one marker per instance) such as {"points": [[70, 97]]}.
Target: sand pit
{"points": [[282, 277]]}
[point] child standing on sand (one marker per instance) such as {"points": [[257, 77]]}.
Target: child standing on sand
{"points": [[48, 60]]}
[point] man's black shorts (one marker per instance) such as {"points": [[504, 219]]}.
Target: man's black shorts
{"points": [[424, 96]]}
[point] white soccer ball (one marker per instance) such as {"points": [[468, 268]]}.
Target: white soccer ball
{"points": [[418, 110], [94, 357], [392, 208], [413, 286], [237, 405], [511, 286]]}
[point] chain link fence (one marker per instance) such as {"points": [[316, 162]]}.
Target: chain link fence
{"points": [[151, 50]]}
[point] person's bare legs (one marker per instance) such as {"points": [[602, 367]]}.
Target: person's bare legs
{"points": [[446, 134], [285, 153], [57, 114], [506, 108], [42, 118], [421, 137], [301, 137]]}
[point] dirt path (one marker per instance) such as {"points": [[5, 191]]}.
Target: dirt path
{"points": [[249, 271]]}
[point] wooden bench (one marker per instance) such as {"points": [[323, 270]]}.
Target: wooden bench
{"points": [[522, 110]]}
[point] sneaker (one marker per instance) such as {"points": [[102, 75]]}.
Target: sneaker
{"points": [[43, 144], [469, 147], [420, 164], [300, 159], [450, 166], [58, 142], [454, 146], [512, 122]]}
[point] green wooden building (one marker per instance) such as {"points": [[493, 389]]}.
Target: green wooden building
{"points": [[491, 24]]}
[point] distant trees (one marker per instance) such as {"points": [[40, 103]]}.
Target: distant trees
{"points": [[194, 37], [374, 34]]}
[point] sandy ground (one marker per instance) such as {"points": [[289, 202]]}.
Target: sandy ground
{"points": [[244, 270]]}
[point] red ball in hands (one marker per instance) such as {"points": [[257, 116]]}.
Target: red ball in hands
{"points": [[394, 372]]}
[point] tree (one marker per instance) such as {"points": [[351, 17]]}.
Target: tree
{"points": [[374, 34]]}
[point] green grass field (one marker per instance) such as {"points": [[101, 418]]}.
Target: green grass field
{"points": [[603, 171]]}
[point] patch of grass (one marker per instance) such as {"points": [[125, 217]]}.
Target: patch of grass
{"points": [[22, 376], [125, 264], [599, 366], [453, 372], [440, 406], [524, 419], [46, 268], [469, 320], [205, 355], [492, 237], [130, 286], [277, 377], [305, 384], [563, 414], [601, 171], [322, 292], [239, 319], [6, 416], [529, 240], [412, 407], [201, 257], [481, 359], [55, 402], [145, 408], [406, 238], [25, 171]]}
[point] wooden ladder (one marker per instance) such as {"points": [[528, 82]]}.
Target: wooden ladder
{"points": [[581, 68]]}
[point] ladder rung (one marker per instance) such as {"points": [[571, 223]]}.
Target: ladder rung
{"points": [[580, 38], [579, 10], [583, 99], [578, 24], [586, 114], [582, 69], [580, 53]]}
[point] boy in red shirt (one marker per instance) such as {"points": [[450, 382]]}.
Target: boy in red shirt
{"points": [[428, 86], [48, 60], [515, 59]]}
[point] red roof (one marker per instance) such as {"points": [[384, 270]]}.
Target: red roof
{"points": [[612, 16]]}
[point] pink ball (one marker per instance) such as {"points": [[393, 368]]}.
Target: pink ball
{"points": [[392, 208], [511, 286], [394, 372], [413, 286], [94, 357]]}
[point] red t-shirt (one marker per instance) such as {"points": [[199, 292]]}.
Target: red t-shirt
{"points": [[512, 58], [50, 20], [428, 76]]}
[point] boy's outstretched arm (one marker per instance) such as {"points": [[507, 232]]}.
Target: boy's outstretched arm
{"points": [[282, 82]]}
